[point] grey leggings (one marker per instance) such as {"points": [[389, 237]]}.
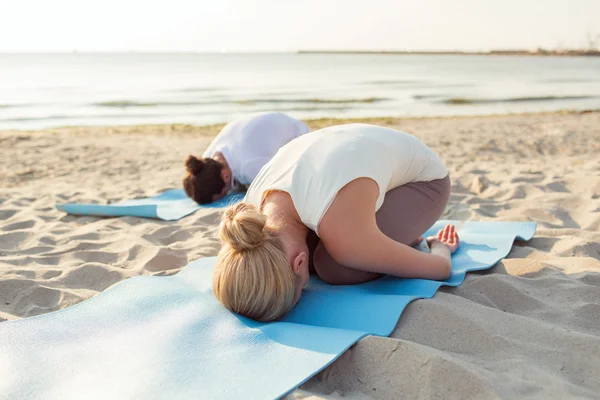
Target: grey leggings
{"points": [[407, 212]]}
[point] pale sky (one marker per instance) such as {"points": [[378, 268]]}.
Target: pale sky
{"points": [[288, 25]]}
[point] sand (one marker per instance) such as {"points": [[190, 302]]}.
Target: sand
{"points": [[527, 328]]}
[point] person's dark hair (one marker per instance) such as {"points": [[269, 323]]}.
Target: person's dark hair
{"points": [[203, 179]]}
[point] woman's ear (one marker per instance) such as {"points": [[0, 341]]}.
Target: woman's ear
{"points": [[300, 263]]}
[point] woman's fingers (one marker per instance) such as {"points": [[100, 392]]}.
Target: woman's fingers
{"points": [[448, 235]]}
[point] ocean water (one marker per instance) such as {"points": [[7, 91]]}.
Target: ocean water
{"points": [[42, 90]]}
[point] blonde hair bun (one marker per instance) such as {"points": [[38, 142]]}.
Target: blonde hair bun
{"points": [[243, 227], [252, 275]]}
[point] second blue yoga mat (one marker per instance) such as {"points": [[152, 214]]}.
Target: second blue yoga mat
{"points": [[170, 205]]}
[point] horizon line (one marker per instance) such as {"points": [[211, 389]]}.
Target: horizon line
{"points": [[522, 51]]}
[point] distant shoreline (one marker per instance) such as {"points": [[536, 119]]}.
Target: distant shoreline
{"points": [[538, 52], [201, 130], [514, 52]]}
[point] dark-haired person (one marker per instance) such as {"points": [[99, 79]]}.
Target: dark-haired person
{"points": [[238, 152], [368, 192]]}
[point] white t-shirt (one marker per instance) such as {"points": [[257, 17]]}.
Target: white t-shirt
{"points": [[313, 168], [248, 143]]}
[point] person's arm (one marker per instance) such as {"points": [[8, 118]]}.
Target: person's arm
{"points": [[372, 251], [349, 232]]}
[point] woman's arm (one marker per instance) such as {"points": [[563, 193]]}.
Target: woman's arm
{"points": [[349, 232], [375, 252]]}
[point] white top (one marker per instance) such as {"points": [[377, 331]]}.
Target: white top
{"points": [[313, 168], [248, 143]]}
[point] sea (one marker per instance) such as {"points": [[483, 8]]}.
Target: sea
{"points": [[50, 90]]}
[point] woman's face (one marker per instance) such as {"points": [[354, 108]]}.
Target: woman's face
{"points": [[226, 176]]}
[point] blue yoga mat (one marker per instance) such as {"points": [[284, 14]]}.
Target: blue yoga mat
{"points": [[168, 337], [170, 205]]}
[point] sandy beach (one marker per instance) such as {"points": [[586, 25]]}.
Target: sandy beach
{"points": [[527, 328]]}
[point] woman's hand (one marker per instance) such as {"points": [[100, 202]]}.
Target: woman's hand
{"points": [[446, 237]]}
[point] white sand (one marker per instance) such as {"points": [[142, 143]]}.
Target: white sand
{"points": [[528, 328]]}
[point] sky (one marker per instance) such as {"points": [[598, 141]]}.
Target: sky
{"points": [[290, 25]]}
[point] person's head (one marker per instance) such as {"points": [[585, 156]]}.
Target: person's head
{"points": [[254, 275], [207, 180]]}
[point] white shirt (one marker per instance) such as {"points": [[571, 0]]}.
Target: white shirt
{"points": [[313, 168], [248, 143]]}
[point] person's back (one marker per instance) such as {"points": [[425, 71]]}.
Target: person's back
{"points": [[238, 153], [250, 142], [316, 166]]}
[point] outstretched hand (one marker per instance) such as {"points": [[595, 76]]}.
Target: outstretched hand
{"points": [[446, 237]]}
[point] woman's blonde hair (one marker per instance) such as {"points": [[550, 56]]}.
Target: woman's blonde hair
{"points": [[252, 276]]}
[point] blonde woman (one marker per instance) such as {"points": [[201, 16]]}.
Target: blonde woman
{"points": [[367, 192]]}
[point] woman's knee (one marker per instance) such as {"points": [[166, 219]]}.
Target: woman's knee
{"points": [[334, 273], [321, 261]]}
